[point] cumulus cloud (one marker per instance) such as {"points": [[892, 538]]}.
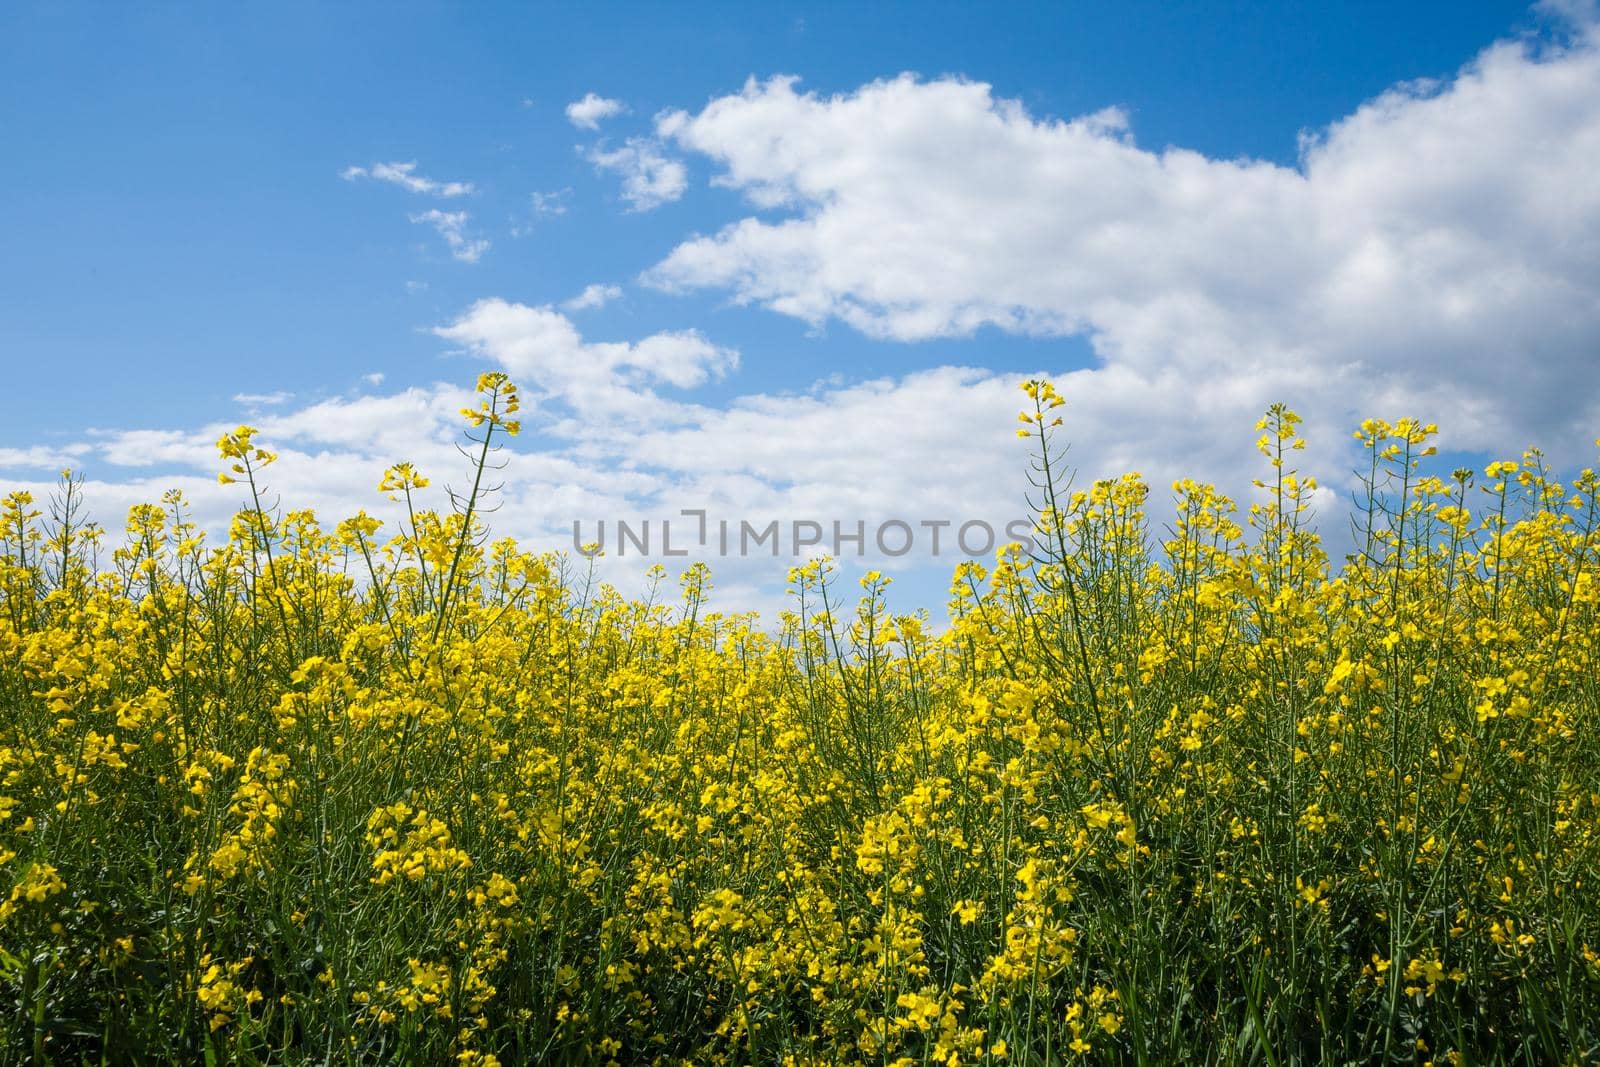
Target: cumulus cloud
{"points": [[593, 296], [588, 113], [649, 178], [546, 349], [1436, 251], [451, 225], [405, 175]]}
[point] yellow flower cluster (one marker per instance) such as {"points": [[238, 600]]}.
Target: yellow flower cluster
{"points": [[411, 844]]}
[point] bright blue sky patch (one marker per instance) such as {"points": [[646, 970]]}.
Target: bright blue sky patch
{"points": [[787, 263]]}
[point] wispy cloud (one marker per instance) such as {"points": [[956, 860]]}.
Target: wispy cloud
{"points": [[541, 206], [588, 113], [451, 225], [37, 456], [593, 296], [263, 400], [649, 178], [405, 175], [547, 204]]}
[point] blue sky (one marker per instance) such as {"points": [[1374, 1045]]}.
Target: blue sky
{"points": [[184, 229]]}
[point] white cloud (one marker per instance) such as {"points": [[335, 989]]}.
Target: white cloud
{"points": [[593, 296], [374, 379], [39, 456], [587, 114], [451, 225], [549, 204], [649, 179], [157, 448], [1437, 251], [545, 348], [405, 175], [261, 400]]}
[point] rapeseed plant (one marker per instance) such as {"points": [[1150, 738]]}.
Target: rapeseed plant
{"points": [[1201, 795]]}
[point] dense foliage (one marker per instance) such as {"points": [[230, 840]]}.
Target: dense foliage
{"points": [[1155, 794]]}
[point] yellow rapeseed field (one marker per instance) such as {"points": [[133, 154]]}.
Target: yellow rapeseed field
{"points": [[1168, 787]]}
